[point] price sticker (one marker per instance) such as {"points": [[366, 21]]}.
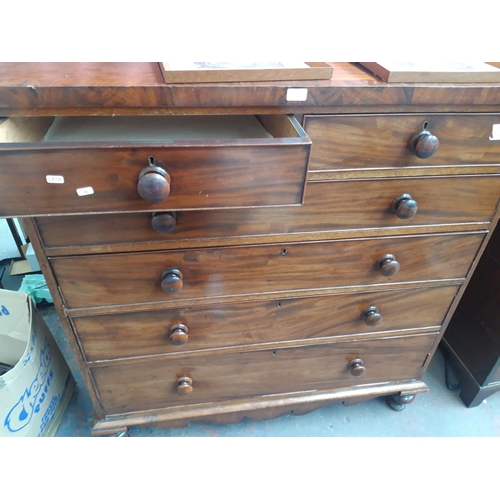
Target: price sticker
{"points": [[85, 191], [296, 95], [55, 179], [495, 132]]}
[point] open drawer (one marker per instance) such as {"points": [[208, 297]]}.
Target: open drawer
{"points": [[73, 165]]}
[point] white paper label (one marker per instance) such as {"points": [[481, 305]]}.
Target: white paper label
{"points": [[296, 95], [495, 132], [84, 191], [55, 179]]}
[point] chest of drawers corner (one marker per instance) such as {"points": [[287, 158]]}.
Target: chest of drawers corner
{"points": [[319, 264]]}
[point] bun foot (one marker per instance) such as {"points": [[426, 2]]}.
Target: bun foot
{"points": [[397, 402]]}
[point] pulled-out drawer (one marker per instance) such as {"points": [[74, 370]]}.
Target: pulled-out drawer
{"points": [[212, 378], [116, 336], [371, 141], [150, 163], [328, 206], [143, 277]]}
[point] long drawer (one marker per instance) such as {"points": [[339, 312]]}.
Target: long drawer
{"points": [[101, 280], [369, 141], [328, 206], [215, 378], [191, 329], [45, 178]]}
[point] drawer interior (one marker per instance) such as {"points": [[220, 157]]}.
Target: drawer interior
{"points": [[149, 129]]}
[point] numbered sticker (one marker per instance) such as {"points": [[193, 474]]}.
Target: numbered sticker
{"points": [[55, 179], [4, 311], [85, 191]]}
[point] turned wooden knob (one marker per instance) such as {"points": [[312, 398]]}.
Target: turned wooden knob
{"points": [[154, 183], [388, 265], [163, 222], [184, 385], [424, 144], [178, 334], [404, 206], [171, 280], [372, 316], [356, 367]]}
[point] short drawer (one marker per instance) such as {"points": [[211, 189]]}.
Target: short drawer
{"points": [[122, 387], [221, 165], [328, 206], [370, 141], [239, 271], [192, 329]]}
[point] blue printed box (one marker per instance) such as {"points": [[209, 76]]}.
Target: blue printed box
{"points": [[35, 392]]}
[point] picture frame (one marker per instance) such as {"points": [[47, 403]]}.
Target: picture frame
{"points": [[417, 72], [225, 72]]}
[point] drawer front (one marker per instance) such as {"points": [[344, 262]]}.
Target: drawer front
{"points": [[369, 141], [215, 378], [104, 177], [328, 206], [190, 329], [217, 272]]}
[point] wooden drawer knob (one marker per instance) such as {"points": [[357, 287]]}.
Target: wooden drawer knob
{"points": [[154, 183], [184, 385], [356, 367], [404, 206], [171, 280], [424, 144], [372, 316], [163, 222], [388, 265], [178, 334]]}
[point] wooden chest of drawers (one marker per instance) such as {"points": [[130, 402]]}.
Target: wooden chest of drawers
{"points": [[230, 277]]}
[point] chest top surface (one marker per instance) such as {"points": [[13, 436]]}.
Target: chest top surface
{"points": [[138, 88]]}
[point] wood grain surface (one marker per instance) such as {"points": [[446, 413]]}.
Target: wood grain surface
{"points": [[147, 333], [252, 374], [370, 141], [201, 177], [328, 206], [81, 88], [217, 272]]}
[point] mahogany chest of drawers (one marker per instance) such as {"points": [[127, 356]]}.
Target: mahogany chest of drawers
{"points": [[218, 252]]}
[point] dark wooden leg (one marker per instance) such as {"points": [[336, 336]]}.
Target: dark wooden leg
{"points": [[398, 402]]}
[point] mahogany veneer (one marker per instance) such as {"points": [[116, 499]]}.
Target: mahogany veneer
{"points": [[218, 280]]}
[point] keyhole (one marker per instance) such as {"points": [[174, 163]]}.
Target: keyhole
{"points": [[426, 124], [151, 160], [279, 304], [284, 251]]}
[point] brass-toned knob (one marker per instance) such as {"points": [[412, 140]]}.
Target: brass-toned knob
{"points": [[372, 316], [356, 367], [405, 206], [171, 281], [388, 265], [178, 334], [424, 144], [154, 183], [163, 222], [184, 385]]}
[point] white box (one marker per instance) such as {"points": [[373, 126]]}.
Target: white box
{"points": [[31, 257], [35, 393]]}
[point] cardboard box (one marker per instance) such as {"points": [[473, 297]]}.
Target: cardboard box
{"points": [[35, 393], [28, 265]]}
